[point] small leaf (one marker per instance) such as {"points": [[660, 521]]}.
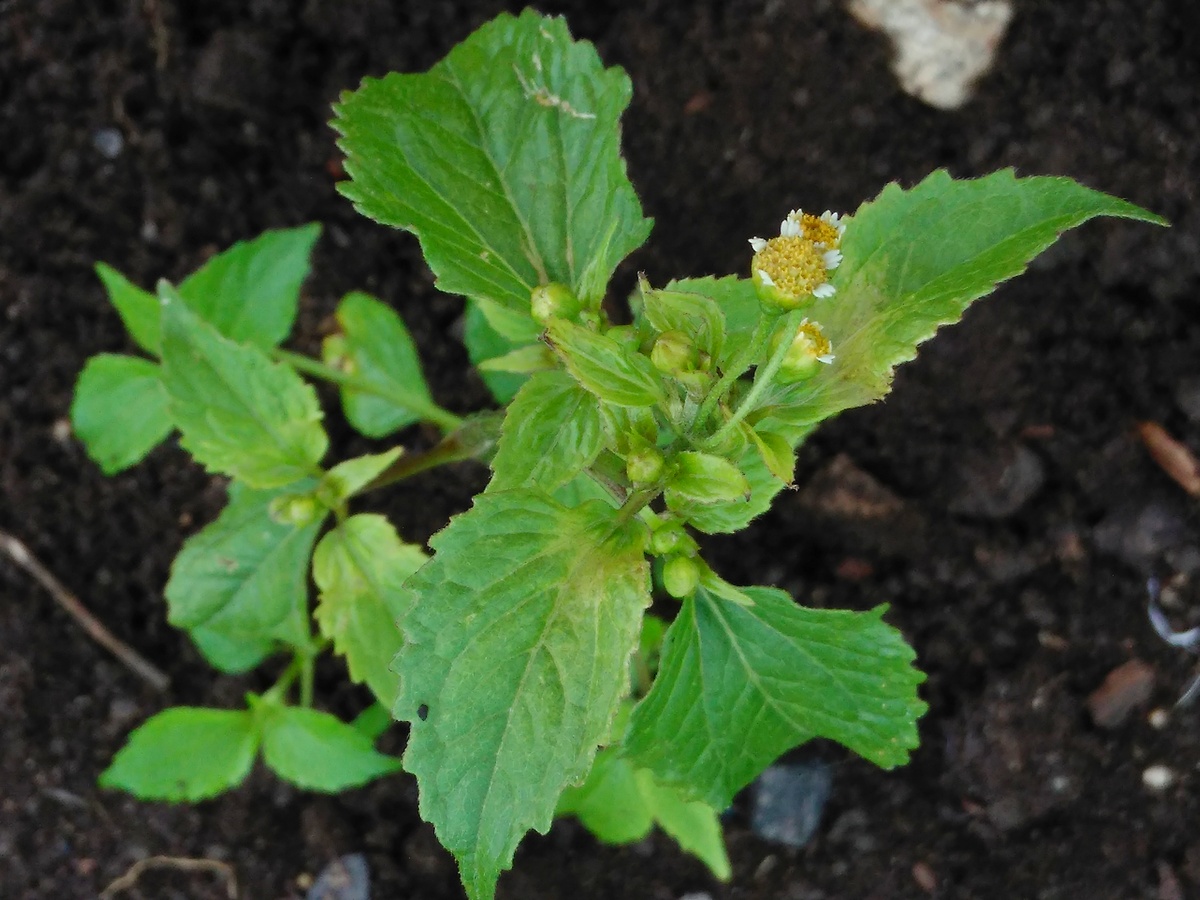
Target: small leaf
{"points": [[231, 652], [693, 313], [776, 452], [701, 478], [251, 291], [243, 580], [514, 664], [551, 433], [913, 260], [359, 568], [504, 160], [138, 309], [605, 367], [347, 478], [119, 410], [610, 803], [737, 686], [379, 350], [693, 824], [522, 361], [485, 343], [185, 754], [319, 752], [738, 302], [240, 413], [373, 721]]}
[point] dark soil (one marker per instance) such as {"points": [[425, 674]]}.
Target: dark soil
{"points": [[998, 499]]}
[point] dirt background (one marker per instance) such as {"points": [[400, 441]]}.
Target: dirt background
{"points": [[998, 500]]}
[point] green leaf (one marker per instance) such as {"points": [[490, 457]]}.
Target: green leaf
{"points": [[231, 652], [119, 410], [514, 664], [250, 292], [606, 368], [522, 361], [551, 433], [504, 160], [240, 414], [776, 452], [915, 259], [701, 478], [485, 343], [739, 685], [691, 312], [138, 309], [694, 825], [185, 754], [320, 752], [373, 721], [242, 581], [347, 478], [359, 568], [738, 302], [378, 349]]}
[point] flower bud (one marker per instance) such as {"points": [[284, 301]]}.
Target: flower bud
{"points": [[294, 509], [674, 353], [671, 538], [644, 466], [553, 301], [680, 576], [809, 350]]}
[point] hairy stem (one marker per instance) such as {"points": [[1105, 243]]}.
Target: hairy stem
{"points": [[751, 351], [762, 380]]}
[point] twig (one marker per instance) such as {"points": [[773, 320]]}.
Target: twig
{"points": [[183, 864], [129, 657]]}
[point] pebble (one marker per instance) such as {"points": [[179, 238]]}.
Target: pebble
{"points": [[108, 142], [788, 802], [1142, 536], [346, 878], [1125, 688], [996, 485], [1158, 777]]}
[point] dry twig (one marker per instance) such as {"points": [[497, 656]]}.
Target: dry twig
{"points": [[129, 657], [183, 864]]}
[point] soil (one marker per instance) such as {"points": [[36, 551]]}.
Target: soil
{"points": [[999, 499]]}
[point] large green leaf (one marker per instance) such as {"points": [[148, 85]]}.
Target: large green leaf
{"points": [[552, 432], [504, 160], [240, 413], [378, 349], [915, 259], [320, 752], [251, 291], [242, 581], [514, 662], [739, 685], [185, 754], [119, 410], [359, 568]]}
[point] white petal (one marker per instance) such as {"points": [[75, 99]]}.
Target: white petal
{"points": [[825, 290], [789, 228], [827, 358], [758, 244], [832, 259], [764, 278]]}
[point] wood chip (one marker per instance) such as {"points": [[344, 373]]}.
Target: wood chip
{"points": [[1175, 458]]}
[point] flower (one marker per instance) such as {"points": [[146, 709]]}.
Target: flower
{"points": [[807, 351], [793, 269]]}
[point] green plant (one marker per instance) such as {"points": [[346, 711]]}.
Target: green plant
{"points": [[524, 662]]}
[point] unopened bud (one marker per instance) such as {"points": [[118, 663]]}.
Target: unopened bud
{"points": [[671, 538], [296, 509], [553, 301], [674, 353], [644, 466], [680, 576], [809, 350]]}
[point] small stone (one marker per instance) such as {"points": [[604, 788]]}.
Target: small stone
{"points": [[1187, 398], [1125, 688], [1142, 536], [1158, 778], [1159, 718], [346, 878], [924, 876], [996, 485], [788, 802], [108, 142]]}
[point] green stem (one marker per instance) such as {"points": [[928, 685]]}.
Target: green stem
{"points": [[474, 439], [307, 673], [635, 502], [285, 680], [762, 381], [426, 409], [751, 351]]}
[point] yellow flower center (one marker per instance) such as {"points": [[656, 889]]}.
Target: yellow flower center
{"points": [[811, 341], [794, 264], [819, 231]]}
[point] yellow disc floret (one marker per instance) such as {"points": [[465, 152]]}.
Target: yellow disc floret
{"points": [[794, 265]]}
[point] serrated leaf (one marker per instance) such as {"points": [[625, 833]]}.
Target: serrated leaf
{"points": [[349, 477], [320, 752], [185, 754], [138, 309], [379, 350], [738, 302], [504, 160], [737, 686], [359, 568], [603, 366], [485, 343], [913, 260], [119, 410], [250, 292], [551, 433], [243, 580], [776, 452], [703, 479], [513, 666], [240, 414]]}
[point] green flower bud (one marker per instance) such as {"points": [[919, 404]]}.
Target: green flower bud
{"points": [[553, 301], [644, 466], [674, 353], [335, 353], [680, 576], [294, 509], [809, 350], [670, 537]]}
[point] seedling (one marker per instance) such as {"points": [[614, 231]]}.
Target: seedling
{"points": [[520, 653]]}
